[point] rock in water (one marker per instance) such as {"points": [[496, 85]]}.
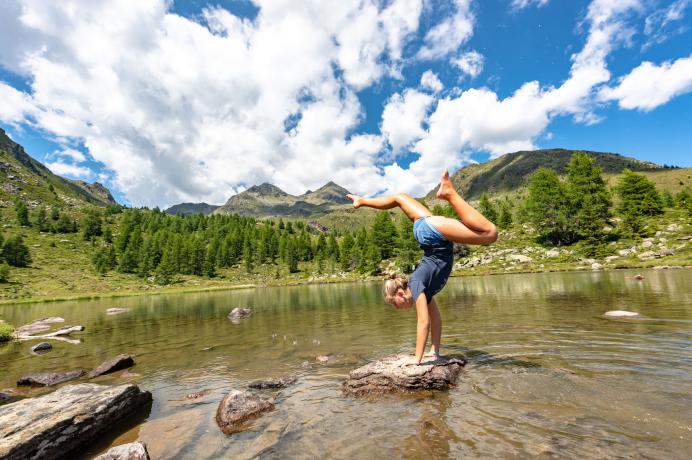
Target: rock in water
{"points": [[46, 379], [392, 374], [237, 407], [43, 346], [112, 365], [115, 311], [132, 451], [620, 314], [57, 424], [282, 382], [239, 313]]}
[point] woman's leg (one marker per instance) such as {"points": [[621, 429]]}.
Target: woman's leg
{"points": [[475, 229], [411, 207]]}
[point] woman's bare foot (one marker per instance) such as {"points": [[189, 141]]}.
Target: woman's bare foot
{"points": [[356, 200], [446, 187]]}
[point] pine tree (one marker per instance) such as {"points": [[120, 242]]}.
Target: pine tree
{"points": [[505, 219], [91, 225], [54, 213], [247, 256], [64, 224], [668, 199], [384, 234], [292, 255], [588, 198], [638, 198], [346, 252], [210, 262], [22, 214], [41, 219], [15, 252], [683, 200], [546, 207], [487, 208], [408, 252]]}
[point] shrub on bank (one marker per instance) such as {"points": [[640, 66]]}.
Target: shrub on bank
{"points": [[6, 332]]}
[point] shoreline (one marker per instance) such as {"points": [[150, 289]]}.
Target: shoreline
{"points": [[189, 290]]}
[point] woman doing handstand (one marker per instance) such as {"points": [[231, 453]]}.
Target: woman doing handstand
{"points": [[435, 235]]}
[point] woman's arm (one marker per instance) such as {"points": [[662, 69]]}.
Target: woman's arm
{"points": [[422, 327], [435, 326]]}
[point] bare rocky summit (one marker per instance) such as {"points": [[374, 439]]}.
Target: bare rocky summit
{"points": [[58, 424], [394, 374]]}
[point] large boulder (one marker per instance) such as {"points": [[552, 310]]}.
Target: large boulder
{"points": [[393, 373], [46, 379], [59, 423], [114, 364], [132, 451], [237, 407]]}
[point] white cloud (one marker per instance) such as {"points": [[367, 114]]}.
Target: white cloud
{"points": [[430, 80], [402, 118], [74, 155], [447, 36], [69, 170], [15, 106], [664, 22], [478, 119], [521, 4], [649, 85], [180, 109], [470, 63]]}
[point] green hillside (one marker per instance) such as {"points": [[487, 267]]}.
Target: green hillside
{"points": [[26, 179]]}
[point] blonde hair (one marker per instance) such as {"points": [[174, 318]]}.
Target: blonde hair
{"points": [[392, 284]]}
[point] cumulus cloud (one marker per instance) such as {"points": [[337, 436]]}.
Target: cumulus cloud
{"points": [[188, 109], [447, 36], [649, 85], [430, 80], [69, 170], [470, 63], [477, 119], [402, 118], [72, 154]]}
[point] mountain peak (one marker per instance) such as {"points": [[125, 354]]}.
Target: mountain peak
{"points": [[266, 189]]}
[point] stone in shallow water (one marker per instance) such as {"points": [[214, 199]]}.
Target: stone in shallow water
{"points": [[621, 314], [115, 311], [72, 417], [237, 407], [132, 451], [46, 379], [239, 313], [114, 364], [393, 374], [43, 346], [281, 382]]}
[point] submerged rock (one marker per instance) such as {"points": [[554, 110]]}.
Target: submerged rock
{"points": [[57, 424], [114, 364], [237, 407], [620, 314], [5, 396], [393, 373], [322, 358], [46, 379], [115, 311], [281, 382], [239, 313], [43, 346], [132, 451]]}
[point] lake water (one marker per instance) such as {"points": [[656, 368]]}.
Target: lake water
{"points": [[548, 375]]}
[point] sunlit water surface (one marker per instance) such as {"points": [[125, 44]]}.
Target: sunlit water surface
{"points": [[548, 375]]}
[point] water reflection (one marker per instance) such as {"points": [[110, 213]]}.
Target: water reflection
{"points": [[548, 375]]}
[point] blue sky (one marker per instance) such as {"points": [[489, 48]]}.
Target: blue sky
{"points": [[195, 101]]}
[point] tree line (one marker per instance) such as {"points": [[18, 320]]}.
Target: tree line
{"points": [[150, 243]]}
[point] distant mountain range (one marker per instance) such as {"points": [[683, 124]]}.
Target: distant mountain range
{"points": [[267, 200], [23, 177]]}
